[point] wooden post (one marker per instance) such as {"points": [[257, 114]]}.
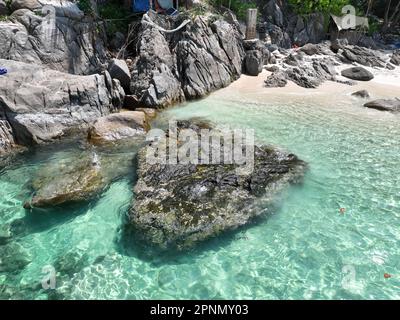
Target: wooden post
{"points": [[251, 24]]}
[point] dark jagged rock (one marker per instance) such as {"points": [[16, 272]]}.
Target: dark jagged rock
{"points": [[310, 49], [3, 8], [395, 59], [42, 105], [311, 75], [276, 80], [180, 205], [13, 257], [338, 44], [272, 68], [363, 56], [361, 94], [293, 59], [279, 37], [307, 29], [254, 62], [357, 73], [202, 57], [392, 105]]}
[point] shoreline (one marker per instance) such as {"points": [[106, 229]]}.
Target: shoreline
{"points": [[384, 85]]}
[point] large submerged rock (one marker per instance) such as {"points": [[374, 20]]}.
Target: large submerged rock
{"points": [[41, 104], [201, 57], [54, 33], [179, 205]]}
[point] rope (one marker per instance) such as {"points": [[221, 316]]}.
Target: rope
{"points": [[147, 20]]}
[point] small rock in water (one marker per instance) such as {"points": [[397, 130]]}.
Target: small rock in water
{"points": [[392, 105], [361, 94], [58, 184]]}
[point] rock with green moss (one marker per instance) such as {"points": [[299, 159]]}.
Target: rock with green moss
{"points": [[179, 205]]}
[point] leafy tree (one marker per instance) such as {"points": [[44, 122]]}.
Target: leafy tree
{"points": [[324, 6]]}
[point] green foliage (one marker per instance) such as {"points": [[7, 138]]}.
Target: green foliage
{"points": [[237, 6], [324, 6], [85, 6], [374, 26], [116, 17], [3, 18]]}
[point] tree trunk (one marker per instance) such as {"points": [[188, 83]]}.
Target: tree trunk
{"points": [[386, 17]]}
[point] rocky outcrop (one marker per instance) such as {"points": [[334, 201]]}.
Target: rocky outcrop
{"points": [[63, 182], [311, 74], [276, 80], [60, 36], [357, 73], [181, 204], [363, 56], [254, 62], [41, 104], [118, 126], [201, 57], [279, 37], [308, 29], [392, 105], [3, 8]]}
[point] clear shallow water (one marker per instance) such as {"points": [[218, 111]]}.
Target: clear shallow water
{"points": [[306, 250]]}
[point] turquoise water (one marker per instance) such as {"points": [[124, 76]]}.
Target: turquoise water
{"points": [[307, 249]]}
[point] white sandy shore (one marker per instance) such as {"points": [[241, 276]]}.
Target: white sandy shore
{"points": [[386, 84]]}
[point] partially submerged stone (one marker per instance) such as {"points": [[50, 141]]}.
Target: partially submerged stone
{"points": [[118, 126], [361, 94], [180, 205], [392, 105], [63, 183]]}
